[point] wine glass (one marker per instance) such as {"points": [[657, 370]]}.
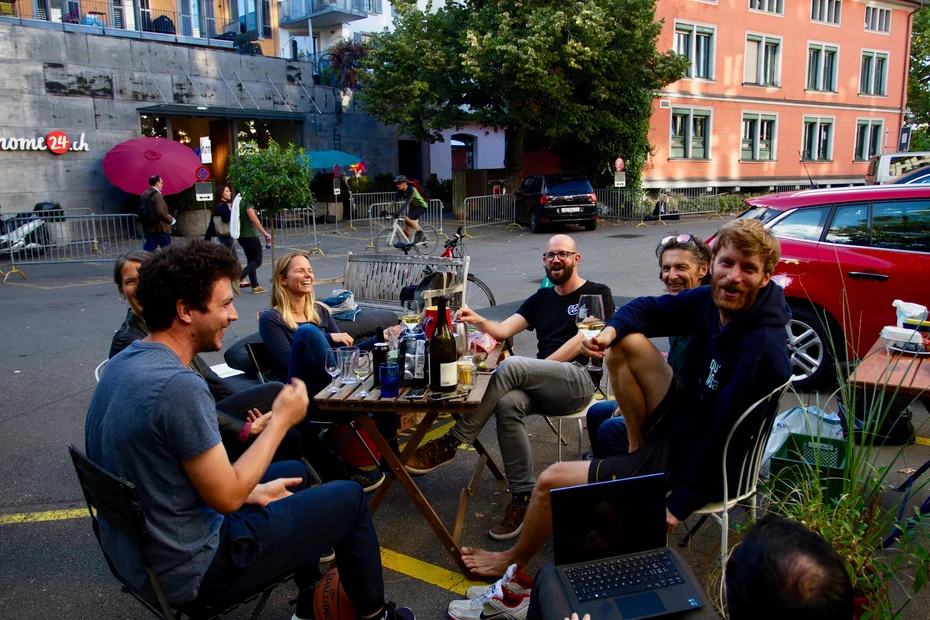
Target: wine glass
{"points": [[362, 370], [333, 368], [590, 320], [411, 316]]}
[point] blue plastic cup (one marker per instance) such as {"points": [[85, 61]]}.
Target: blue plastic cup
{"points": [[390, 386]]}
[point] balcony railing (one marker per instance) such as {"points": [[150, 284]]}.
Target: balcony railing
{"points": [[323, 13], [116, 18]]}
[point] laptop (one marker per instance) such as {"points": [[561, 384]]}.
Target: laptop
{"points": [[611, 551]]}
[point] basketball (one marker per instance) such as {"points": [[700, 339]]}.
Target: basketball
{"points": [[330, 601]]}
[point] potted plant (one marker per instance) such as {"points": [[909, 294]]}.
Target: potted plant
{"points": [[858, 523], [272, 179]]}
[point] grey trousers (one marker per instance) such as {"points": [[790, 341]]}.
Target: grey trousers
{"points": [[523, 386]]}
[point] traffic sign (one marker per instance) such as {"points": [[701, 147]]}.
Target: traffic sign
{"points": [[619, 165], [620, 179], [202, 173], [335, 171], [204, 191], [337, 188]]}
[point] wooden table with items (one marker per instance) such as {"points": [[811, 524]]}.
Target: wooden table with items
{"points": [[352, 406], [888, 370]]}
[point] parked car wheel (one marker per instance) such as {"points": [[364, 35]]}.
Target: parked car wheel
{"points": [[811, 349], [592, 225], [535, 225]]}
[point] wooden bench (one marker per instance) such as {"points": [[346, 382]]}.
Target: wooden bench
{"points": [[377, 280]]}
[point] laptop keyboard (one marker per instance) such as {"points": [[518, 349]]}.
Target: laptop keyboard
{"points": [[621, 576]]}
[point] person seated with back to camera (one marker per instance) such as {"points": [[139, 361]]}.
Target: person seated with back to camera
{"points": [[737, 355], [297, 331], [238, 412], [555, 383], [219, 530], [684, 263], [779, 571]]}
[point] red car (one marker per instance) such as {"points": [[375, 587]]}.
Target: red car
{"points": [[846, 255]]}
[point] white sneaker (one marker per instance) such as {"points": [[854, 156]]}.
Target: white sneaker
{"points": [[514, 580], [497, 603]]}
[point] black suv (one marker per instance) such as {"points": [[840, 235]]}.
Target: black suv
{"points": [[556, 198]]}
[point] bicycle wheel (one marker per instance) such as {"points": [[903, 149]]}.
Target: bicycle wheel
{"points": [[383, 244], [432, 238], [479, 294]]}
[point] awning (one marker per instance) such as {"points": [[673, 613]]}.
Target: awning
{"points": [[168, 109]]}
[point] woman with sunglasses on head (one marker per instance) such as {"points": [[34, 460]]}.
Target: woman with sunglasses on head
{"points": [[684, 263]]}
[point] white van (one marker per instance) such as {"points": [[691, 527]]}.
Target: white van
{"points": [[885, 168]]}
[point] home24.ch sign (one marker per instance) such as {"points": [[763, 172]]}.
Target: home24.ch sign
{"points": [[56, 142]]}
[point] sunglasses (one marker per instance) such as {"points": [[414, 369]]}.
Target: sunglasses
{"points": [[680, 239]]}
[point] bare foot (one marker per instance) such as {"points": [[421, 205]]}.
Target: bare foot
{"points": [[487, 563]]}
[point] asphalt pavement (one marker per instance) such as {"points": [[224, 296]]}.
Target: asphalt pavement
{"points": [[56, 325]]}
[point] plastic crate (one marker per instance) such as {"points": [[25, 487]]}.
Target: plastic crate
{"points": [[802, 455]]}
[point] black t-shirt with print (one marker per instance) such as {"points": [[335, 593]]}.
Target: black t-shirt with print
{"points": [[553, 315]]}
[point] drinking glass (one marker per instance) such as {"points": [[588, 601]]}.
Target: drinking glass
{"points": [[590, 319], [333, 367], [411, 316], [460, 332], [362, 370], [348, 357], [390, 385]]}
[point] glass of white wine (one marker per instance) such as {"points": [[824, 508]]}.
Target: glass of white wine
{"points": [[411, 315], [333, 368], [362, 370], [590, 319]]}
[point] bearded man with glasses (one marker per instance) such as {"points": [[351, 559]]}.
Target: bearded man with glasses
{"points": [[555, 383]]}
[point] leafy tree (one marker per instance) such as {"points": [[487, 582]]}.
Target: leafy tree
{"points": [[272, 179], [579, 75], [918, 85]]}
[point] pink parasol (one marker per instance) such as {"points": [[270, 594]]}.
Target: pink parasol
{"points": [[130, 164]]}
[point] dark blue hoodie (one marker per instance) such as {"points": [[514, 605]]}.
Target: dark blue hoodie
{"points": [[725, 372]]}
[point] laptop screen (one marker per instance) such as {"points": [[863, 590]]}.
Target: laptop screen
{"points": [[607, 519]]}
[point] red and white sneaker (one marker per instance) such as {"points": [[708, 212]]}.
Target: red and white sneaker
{"points": [[499, 604], [514, 580]]}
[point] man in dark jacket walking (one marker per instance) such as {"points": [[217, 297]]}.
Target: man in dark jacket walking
{"points": [[737, 355], [158, 229]]}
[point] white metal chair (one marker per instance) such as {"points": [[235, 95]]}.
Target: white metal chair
{"points": [[578, 415], [98, 371], [749, 470]]}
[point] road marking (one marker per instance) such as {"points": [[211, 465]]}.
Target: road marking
{"points": [[404, 564], [55, 288], [924, 441], [48, 515]]}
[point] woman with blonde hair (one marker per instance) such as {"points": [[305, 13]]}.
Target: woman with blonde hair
{"points": [[297, 331]]}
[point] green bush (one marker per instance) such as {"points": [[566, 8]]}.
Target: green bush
{"points": [[385, 182], [363, 185], [734, 203]]}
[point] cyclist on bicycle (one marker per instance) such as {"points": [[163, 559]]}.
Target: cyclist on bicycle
{"points": [[415, 204]]}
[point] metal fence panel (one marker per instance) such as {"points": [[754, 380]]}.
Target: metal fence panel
{"points": [[381, 214], [359, 204], [621, 204], [489, 210], [68, 236], [293, 228]]}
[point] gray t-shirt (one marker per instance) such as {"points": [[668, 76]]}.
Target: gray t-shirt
{"points": [[148, 414]]}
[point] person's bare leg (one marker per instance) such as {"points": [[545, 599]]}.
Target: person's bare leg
{"points": [[537, 526], [640, 378], [411, 225]]}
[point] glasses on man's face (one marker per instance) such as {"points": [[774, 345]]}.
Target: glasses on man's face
{"points": [[682, 239], [562, 255]]}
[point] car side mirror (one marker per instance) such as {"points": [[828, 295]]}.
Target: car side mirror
{"points": [[518, 193]]}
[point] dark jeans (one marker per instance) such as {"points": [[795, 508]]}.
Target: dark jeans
{"points": [[548, 600], [308, 363], [252, 246], [607, 434], [259, 546], [156, 240], [258, 397]]}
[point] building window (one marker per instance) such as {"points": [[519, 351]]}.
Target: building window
{"points": [[768, 6], [821, 67], [758, 137], [827, 11], [868, 138], [877, 20], [463, 151], [373, 6], [818, 139], [762, 60], [690, 134], [697, 44], [873, 73], [154, 126]]}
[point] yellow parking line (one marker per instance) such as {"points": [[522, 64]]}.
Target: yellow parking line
{"points": [[48, 515], [924, 441], [404, 564], [61, 286]]}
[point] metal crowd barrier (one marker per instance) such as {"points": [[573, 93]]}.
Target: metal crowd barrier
{"points": [[68, 236], [692, 201], [381, 214], [489, 210], [295, 228], [621, 204], [360, 204]]}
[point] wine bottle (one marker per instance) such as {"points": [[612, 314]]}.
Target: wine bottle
{"points": [[442, 354]]}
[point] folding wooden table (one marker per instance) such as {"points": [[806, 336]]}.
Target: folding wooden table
{"points": [[352, 406]]}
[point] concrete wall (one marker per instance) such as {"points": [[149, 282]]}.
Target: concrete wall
{"points": [[95, 85]]}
